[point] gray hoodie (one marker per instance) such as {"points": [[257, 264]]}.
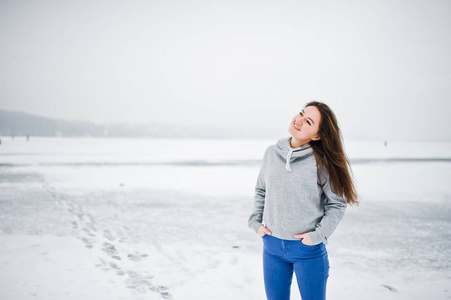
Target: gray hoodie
{"points": [[289, 199]]}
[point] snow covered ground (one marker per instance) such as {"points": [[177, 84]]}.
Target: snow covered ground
{"points": [[167, 219]]}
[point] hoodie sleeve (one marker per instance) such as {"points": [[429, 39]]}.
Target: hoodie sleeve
{"points": [[255, 219], [334, 209]]}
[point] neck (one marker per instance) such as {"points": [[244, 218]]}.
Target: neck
{"points": [[294, 143]]}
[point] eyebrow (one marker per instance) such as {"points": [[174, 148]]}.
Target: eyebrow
{"points": [[308, 117]]}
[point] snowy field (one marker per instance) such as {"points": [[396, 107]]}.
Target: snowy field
{"points": [[85, 218]]}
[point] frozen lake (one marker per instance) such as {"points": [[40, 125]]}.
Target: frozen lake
{"points": [[167, 219]]}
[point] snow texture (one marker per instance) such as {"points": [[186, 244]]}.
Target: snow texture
{"points": [[167, 219]]}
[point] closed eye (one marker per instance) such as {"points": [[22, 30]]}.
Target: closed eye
{"points": [[307, 120]]}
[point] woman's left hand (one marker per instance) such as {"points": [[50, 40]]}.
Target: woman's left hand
{"points": [[305, 238]]}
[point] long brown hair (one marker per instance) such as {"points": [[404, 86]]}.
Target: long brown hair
{"points": [[330, 156]]}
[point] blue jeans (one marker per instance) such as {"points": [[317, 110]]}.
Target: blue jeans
{"points": [[282, 257]]}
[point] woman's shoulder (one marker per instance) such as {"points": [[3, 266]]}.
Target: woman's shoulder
{"points": [[279, 144], [271, 149]]}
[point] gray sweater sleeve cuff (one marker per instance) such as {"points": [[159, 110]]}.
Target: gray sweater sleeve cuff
{"points": [[255, 225], [317, 237]]}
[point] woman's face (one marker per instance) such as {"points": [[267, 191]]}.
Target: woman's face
{"points": [[305, 125]]}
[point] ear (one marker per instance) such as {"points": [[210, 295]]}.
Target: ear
{"points": [[316, 138]]}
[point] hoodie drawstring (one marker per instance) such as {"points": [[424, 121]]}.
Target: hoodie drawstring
{"points": [[287, 166]]}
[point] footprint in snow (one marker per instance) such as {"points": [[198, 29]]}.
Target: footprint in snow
{"points": [[108, 235], [110, 250], [390, 288], [88, 243]]}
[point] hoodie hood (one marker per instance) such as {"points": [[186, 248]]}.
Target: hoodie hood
{"points": [[291, 154]]}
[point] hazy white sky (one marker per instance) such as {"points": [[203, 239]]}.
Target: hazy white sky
{"points": [[384, 67]]}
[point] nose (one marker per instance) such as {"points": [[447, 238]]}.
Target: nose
{"points": [[300, 121]]}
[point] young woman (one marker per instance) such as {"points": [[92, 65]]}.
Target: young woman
{"points": [[301, 195]]}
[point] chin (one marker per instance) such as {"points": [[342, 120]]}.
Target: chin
{"points": [[292, 132]]}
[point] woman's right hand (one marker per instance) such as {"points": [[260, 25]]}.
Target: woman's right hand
{"points": [[262, 231]]}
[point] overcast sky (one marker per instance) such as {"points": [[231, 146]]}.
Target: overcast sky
{"points": [[384, 67]]}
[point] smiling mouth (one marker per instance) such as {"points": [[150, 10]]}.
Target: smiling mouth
{"points": [[294, 125]]}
